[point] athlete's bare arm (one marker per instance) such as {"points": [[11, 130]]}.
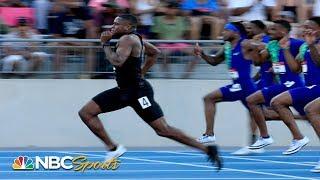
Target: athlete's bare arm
{"points": [[124, 49], [152, 53], [315, 53], [294, 65], [213, 60], [314, 47], [255, 50]]}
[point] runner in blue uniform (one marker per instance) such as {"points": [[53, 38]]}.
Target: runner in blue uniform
{"points": [[278, 53], [256, 30], [239, 69], [300, 97], [312, 109]]}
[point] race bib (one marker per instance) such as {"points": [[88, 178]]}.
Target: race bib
{"points": [[304, 67], [278, 68], [310, 87], [235, 88], [289, 83], [144, 102], [233, 73]]}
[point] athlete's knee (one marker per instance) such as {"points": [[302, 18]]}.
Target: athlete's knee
{"points": [[311, 110], [251, 102], [164, 131], [277, 104], [84, 114], [209, 99]]}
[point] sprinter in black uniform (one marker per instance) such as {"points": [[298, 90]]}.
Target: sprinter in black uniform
{"points": [[133, 90]]}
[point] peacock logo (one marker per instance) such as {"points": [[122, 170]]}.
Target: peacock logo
{"points": [[23, 163]]}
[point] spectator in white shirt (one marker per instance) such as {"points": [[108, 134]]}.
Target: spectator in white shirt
{"points": [[21, 56], [41, 8]]}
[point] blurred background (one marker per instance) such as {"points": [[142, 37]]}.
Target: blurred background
{"points": [[50, 52], [59, 39]]}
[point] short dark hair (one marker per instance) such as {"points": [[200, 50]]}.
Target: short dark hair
{"points": [[259, 24], [284, 24], [315, 19], [241, 28], [130, 18]]}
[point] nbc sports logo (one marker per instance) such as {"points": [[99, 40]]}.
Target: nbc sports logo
{"points": [[23, 163], [79, 163]]}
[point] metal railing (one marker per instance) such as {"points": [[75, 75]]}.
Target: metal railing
{"points": [[60, 58]]}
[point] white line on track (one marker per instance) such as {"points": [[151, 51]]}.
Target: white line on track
{"points": [[135, 171], [203, 166], [247, 158], [177, 178], [192, 162], [183, 155]]}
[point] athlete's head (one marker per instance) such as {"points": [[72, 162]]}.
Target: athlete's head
{"points": [[234, 30], [279, 29], [124, 24], [313, 24], [255, 27]]}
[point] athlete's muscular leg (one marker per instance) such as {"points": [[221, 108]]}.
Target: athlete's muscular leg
{"points": [[254, 103], [312, 110], [89, 115], [281, 104], [272, 115], [163, 129], [253, 127], [210, 101]]}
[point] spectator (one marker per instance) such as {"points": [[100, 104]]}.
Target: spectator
{"points": [[287, 16], [270, 6], [171, 26], [74, 22], [27, 2], [248, 10], [3, 3], [97, 5], [21, 56], [297, 7], [3, 28], [56, 9], [144, 10], [108, 12], [41, 8], [203, 17], [15, 3], [316, 8]]}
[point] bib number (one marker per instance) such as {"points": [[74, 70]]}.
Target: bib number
{"points": [[235, 88], [310, 87], [279, 68], [233, 74], [304, 67], [144, 102], [289, 83]]}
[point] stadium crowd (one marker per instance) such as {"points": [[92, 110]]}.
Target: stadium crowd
{"points": [[166, 20]]}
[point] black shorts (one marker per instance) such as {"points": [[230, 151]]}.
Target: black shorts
{"points": [[139, 98]]}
